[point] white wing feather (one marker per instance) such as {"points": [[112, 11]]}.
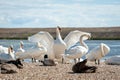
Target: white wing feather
{"points": [[45, 39], [73, 37]]}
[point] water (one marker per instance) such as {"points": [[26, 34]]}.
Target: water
{"points": [[113, 44]]}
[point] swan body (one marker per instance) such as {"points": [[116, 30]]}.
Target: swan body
{"points": [[59, 45], [77, 51], [20, 50], [32, 53], [3, 49], [114, 60], [98, 52], [7, 56]]}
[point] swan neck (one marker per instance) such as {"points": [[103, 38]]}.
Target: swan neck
{"points": [[82, 42], [9, 50], [21, 46], [58, 35]]}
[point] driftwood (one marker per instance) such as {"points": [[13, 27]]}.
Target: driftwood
{"points": [[81, 67]]}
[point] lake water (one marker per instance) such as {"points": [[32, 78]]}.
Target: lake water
{"points": [[113, 44]]}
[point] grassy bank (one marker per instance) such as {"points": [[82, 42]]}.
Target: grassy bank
{"points": [[112, 33], [25, 38]]}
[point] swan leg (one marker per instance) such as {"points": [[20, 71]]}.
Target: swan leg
{"points": [[74, 60], [62, 60], [95, 61], [79, 59], [98, 62], [33, 60]]}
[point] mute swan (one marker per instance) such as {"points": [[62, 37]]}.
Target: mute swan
{"points": [[97, 53], [3, 49], [8, 56], [21, 46], [59, 45], [56, 48], [77, 51], [33, 53], [114, 60], [20, 49]]}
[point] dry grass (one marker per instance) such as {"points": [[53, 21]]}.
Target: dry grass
{"points": [[23, 33]]}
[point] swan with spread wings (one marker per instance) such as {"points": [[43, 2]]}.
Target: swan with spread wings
{"points": [[56, 48], [77, 51]]}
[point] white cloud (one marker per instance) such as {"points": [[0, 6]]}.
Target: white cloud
{"points": [[39, 13]]}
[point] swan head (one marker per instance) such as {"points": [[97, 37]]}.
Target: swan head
{"points": [[58, 28], [86, 36], [10, 49], [105, 48]]}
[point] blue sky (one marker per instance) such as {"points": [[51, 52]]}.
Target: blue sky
{"points": [[65, 13]]}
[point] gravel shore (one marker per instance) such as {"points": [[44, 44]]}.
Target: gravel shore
{"points": [[36, 71]]}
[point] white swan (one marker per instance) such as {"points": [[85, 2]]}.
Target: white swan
{"points": [[33, 53], [98, 52], [114, 60], [56, 48], [59, 45], [77, 51], [46, 40], [21, 48], [3, 49], [8, 56]]}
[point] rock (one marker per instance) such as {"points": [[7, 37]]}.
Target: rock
{"points": [[81, 67]]}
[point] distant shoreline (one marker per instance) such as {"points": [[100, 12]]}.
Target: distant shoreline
{"points": [[17, 38], [106, 33]]}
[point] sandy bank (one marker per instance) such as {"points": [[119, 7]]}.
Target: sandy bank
{"points": [[35, 71]]}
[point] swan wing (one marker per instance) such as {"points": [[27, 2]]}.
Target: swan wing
{"points": [[45, 39], [73, 37]]}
